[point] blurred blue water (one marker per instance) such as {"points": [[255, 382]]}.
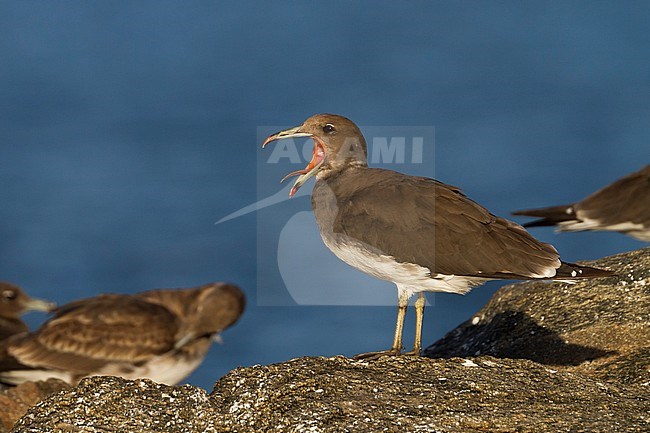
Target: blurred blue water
{"points": [[128, 128]]}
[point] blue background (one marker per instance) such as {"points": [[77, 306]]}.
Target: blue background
{"points": [[128, 128]]}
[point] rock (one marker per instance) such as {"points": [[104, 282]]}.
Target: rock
{"points": [[599, 327], [338, 394], [405, 394], [14, 402], [112, 404], [563, 358]]}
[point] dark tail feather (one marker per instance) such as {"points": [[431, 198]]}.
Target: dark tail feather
{"points": [[571, 271], [550, 215]]}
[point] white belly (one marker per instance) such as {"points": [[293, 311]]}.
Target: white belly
{"points": [[408, 277], [162, 369]]}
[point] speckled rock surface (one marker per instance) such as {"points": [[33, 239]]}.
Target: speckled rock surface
{"points": [[338, 394], [599, 327], [110, 404], [419, 394], [14, 402]]}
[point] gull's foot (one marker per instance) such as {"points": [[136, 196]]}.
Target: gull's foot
{"points": [[371, 356], [414, 352]]}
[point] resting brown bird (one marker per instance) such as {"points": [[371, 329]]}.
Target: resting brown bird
{"points": [[421, 234], [14, 303], [623, 206], [162, 335]]}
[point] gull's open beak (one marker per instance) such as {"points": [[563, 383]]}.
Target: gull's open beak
{"points": [[289, 133], [318, 156]]}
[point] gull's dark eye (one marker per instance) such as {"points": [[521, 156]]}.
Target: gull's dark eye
{"points": [[328, 128], [9, 294]]}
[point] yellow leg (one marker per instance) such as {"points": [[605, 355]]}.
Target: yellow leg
{"points": [[396, 349], [402, 306], [419, 314]]}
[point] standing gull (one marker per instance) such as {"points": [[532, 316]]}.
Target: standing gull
{"points": [[623, 206], [421, 234], [163, 335], [13, 303]]}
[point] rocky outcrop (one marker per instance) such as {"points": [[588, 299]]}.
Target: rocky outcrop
{"points": [[598, 327], [111, 404], [338, 394], [538, 357], [418, 394]]}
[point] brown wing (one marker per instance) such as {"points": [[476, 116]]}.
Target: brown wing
{"points": [[626, 200], [423, 221], [87, 334]]}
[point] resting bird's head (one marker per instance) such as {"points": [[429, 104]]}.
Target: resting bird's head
{"points": [[14, 302]]}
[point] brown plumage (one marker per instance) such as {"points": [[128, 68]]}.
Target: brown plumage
{"points": [[14, 302], [419, 233], [434, 217], [623, 206], [160, 334]]}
